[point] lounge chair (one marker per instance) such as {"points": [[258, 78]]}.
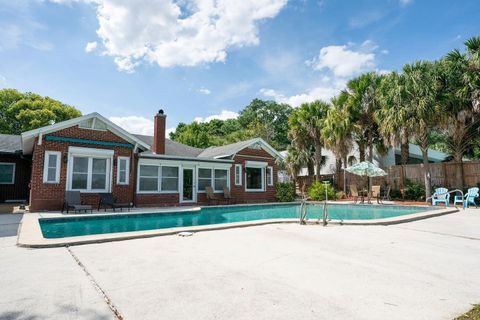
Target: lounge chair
{"points": [[73, 201], [375, 194], [386, 195], [227, 195], [354, 193], [469, 198], [441, 195], [107, 200], [211, 195]]}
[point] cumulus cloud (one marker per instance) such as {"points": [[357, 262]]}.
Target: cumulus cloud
{"points": [[204, 91], [91, 46], [178, 33], [343, 61], [224, 115], [134, 124]]}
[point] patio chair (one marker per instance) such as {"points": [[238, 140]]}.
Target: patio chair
{"points": [[375, 193], [354, 193], [441, 195], [211, 196], [386, 194], [72, 201], [107, 200], [227, 195], [469, 198]]}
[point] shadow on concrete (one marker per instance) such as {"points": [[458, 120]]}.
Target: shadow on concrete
{"points": [[63, 312], [9, 225]]}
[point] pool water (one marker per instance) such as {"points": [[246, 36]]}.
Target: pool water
{"points": [[88, 225]]}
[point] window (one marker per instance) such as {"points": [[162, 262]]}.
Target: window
{"points": [[7, 173], [270, 176], [254, 179], [204, 179], [221, 179], [169, 178], [148, 178], [51, 167], [238, 174], [123, 170], [93, 124], [89, 169]]}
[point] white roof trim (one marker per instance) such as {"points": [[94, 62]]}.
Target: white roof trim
{"points": [[266, 146], [75, 121]]}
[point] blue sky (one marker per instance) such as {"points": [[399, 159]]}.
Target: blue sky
{"points": [[202, 59]]}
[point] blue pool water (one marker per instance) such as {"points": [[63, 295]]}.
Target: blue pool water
{"points": [[85, 225]]}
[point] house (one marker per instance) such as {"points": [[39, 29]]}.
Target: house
{"points": [[391, 158], [93, 155], [14, 169]]}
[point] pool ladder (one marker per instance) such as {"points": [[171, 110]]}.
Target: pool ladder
{"points": [[304, 213]]}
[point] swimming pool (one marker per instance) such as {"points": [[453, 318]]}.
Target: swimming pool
{"points": [[100, 224]]}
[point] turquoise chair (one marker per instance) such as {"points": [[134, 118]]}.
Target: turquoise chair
{"points": [[441, 195], [469, 198]]}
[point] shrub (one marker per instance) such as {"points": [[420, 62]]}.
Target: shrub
{"points": [[339, 195], [395, 194], [414, 191], [285, 192], [317, 191]]}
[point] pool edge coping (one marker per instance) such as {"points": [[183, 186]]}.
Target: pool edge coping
{"points": [[30, 234]]}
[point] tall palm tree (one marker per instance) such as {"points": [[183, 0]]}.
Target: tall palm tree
{"points": [[362, 104], [305, 129], [421, 112], [295, 161], [337, 132], [392, 100]]}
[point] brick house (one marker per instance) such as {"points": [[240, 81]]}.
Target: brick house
{"points": [[93, 155]]}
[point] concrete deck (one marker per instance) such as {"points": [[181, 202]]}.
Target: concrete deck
{"points": [[425, 269]]}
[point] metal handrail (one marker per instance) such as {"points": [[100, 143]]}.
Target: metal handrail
{"points": [[441, 194]]}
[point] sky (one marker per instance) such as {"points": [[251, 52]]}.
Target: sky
{"points": [[206, 59]]}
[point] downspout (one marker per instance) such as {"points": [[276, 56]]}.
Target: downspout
{"points": [[133, 174]]}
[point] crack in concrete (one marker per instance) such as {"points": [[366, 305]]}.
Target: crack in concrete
{"points": [[439, 233], [97, 287]]}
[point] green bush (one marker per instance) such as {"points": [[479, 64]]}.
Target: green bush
{"points": [[317, 191], [414, 191], [285, 192], [339, 195], [396, 194]]}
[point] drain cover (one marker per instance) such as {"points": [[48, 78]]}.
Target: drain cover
{"points": [[185, 234]]}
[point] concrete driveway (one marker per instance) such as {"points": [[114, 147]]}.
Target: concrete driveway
{"points": [[427, 269]]}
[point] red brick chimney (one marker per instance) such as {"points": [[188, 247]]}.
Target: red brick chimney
{"points": [[158, 146]]}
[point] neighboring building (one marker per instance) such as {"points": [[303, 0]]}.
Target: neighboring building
{"points": [[14, 169], [391, 158], [93, 155]]}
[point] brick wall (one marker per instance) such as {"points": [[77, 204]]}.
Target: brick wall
{"points": [[48, 196]]}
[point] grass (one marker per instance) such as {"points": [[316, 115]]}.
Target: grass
{"points": [[473, 314]]}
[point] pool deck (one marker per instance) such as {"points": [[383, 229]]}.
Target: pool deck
{"points": [[426, 269], [30, 234]]}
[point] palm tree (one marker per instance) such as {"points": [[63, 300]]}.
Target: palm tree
{"points": [[392, 100], [295, 161], [362, 104], [420, 112], [337, 132], [305, 129]]}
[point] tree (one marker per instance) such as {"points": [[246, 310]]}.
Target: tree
{"points": [[421, 113], [21, 112], [337, 132], [295, 161], [362, 104], [392, 100], [306, 124]]}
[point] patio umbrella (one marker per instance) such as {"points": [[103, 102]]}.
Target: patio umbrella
{"points": [[366, 169]]}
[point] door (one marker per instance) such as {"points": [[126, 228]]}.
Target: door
{"points": [[188, 185]]}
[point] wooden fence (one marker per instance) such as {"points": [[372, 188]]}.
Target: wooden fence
{"points": [[441, 174]]}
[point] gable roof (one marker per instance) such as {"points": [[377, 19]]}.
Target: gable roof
{"points": [[28, 137], [173, 148], [231, 149], [10, 143]]}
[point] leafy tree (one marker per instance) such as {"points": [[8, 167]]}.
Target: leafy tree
{"points": [[21, 112]]}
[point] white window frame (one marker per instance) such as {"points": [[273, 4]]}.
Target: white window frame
{"points": [[256, 165], [127, 170], [212, 178], [227, 179], [238, 175], [270, 181], [14, 165], [90, 153], [159, 179], [94, 122], [138, 179], [46, 166]]}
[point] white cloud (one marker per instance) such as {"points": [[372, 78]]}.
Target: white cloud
{"points": [[134, 124], [91, 46], [3, 80], [404, 3], [178, 33], [224, 115], [204, 91], [170, 130], [343, 61]]}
